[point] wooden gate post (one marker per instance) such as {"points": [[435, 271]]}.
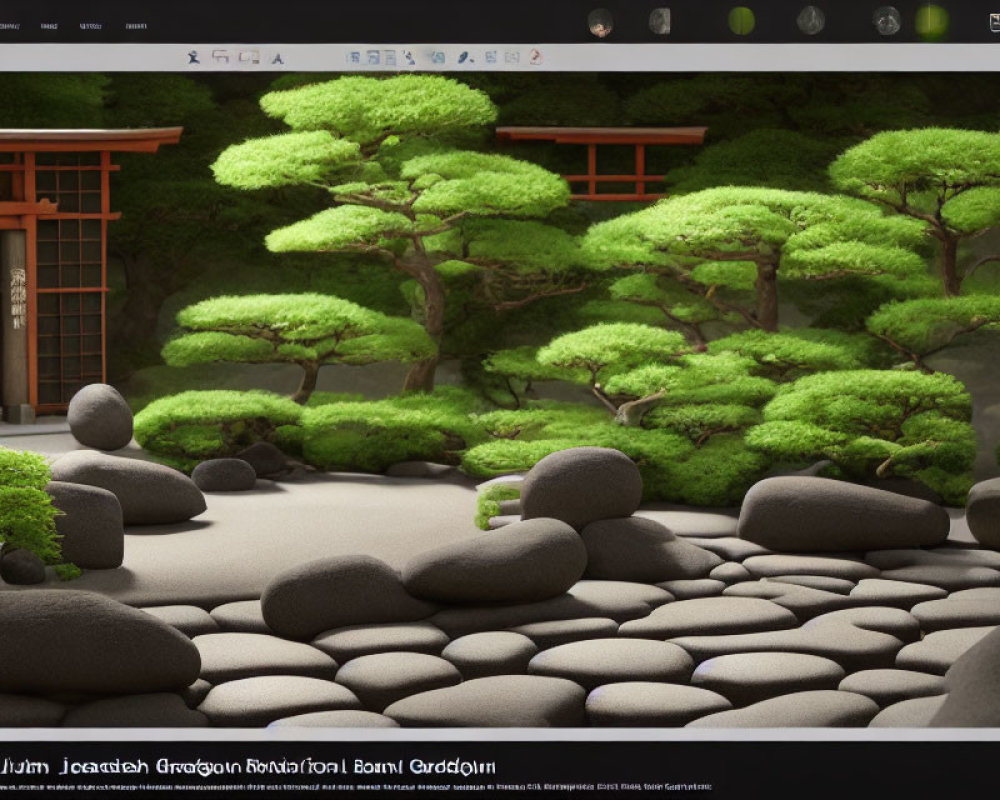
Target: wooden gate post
{"points": [[17, 408]]}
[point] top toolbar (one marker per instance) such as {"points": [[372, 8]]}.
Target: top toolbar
{"points": [[514, 21]]}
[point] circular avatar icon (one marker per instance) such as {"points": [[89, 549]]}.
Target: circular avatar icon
{"points": [[811, 20], [887, 20], [600, 22], [659, 21], [742, 21]]}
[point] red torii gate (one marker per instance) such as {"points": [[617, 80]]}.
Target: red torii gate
{"points": [[640, 138]]}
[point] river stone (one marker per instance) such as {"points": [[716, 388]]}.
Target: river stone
{"points": [[973, 685], [949, 577], [56, 640], [224, 475], [747, 678], [890, 686], [803, 601], [730, 572], [480, 655], [907, 486], [306, 600], [948, 555], [24, 711], [255, 702], [729, 547], [381, 679], [343, 644], [336, 719], [938, 615], [803, 514], [502, 701], [189, 620], [937, 651], [700, 523], [230, 656], [149, 493], [692, 590], [915, 713], [823, 708], [710, 615], [195, 693], [159, 710], [582, 485], [880, 619], [91, 525], [21, 567], [982, 513], [99, 417], [616, 600], [822, 582], [520, 563], [644, 704], [595, 662], [241, 616], [899, 594], [774, 565], [265, 458], [988, 593], [644, 551], [563, 631]]}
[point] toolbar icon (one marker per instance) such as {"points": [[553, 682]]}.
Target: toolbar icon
{"points": [[408, 58], [512, 57], [437, 57], [389, 58], [220, 56], [373, 58], [535, 57], [249, 56], [193, 57], [354, 57], [277, 59], [491, 56], [995, 23]]}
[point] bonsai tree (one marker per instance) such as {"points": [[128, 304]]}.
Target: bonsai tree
{"points": [[731, 236], [874, 424], [381, 149], [309, 330], [947, 180], [917, 329], [519, 370], [27, 516]]}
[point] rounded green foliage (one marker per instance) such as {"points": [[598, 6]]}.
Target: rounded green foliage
{"points": [[790, 354], [612, 347], [347, 228], [23, 469], [27, 520], [872, 422], [521, 363], [717, 474], [194, 426], [697, 378], [924, 326], [488, 502], [286, 159], [369, 110]]}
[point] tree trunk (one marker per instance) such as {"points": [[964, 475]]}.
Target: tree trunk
{"points": [[420, 378], [630, 414], [766, 287], [308, 384], [949, 267]]}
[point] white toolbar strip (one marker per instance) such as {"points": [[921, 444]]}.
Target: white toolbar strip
{"points": [[602, 57]]}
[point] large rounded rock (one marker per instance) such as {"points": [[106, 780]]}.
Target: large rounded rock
{"points": [[73, 641], [802, 514], [91, 525], [747, 678], [314, 597], [256, 702], [973, 685], [381, 679], [982, 513], [21, 567], [645, 704], [159, 710], [265, 458], [99, 417], [149, 493], [595, 662], [480, 655], [582, 485], [520, 563], [502, 701], [224, 475], [820, 708], [644, 551]]}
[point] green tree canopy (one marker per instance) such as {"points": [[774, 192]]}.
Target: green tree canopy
{"points": [[380, 148], [947, 179], [875, 423], [920, 328], [790, 354], [805, 235], [309, 330]]}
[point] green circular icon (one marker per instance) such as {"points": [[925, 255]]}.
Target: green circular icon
{"points": [[742, 21], [932, 22]]}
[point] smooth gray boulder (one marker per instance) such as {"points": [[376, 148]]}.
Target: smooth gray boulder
{"points": [[21, 567], [58, 640], [265, 458], [91, 525], [646, 704], [224, 475], [582, 485], [379, 680], [256, 702], [973, 685], [820, 708], [314, 597], [24, 711], [594, 662], [159, 710], [149, 493], [803, 514], [982, 513], [480, 655], [99, 417], [642, 550], [336, 719], [520, 563]]}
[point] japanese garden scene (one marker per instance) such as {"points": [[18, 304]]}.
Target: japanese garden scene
{"points": [[501, 400]]}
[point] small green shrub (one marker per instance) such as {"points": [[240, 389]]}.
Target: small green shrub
{"points": [[186, 428], [20, 468], [488, 502]]}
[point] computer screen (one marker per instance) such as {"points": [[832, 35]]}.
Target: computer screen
{"points": [[531, 398]]}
